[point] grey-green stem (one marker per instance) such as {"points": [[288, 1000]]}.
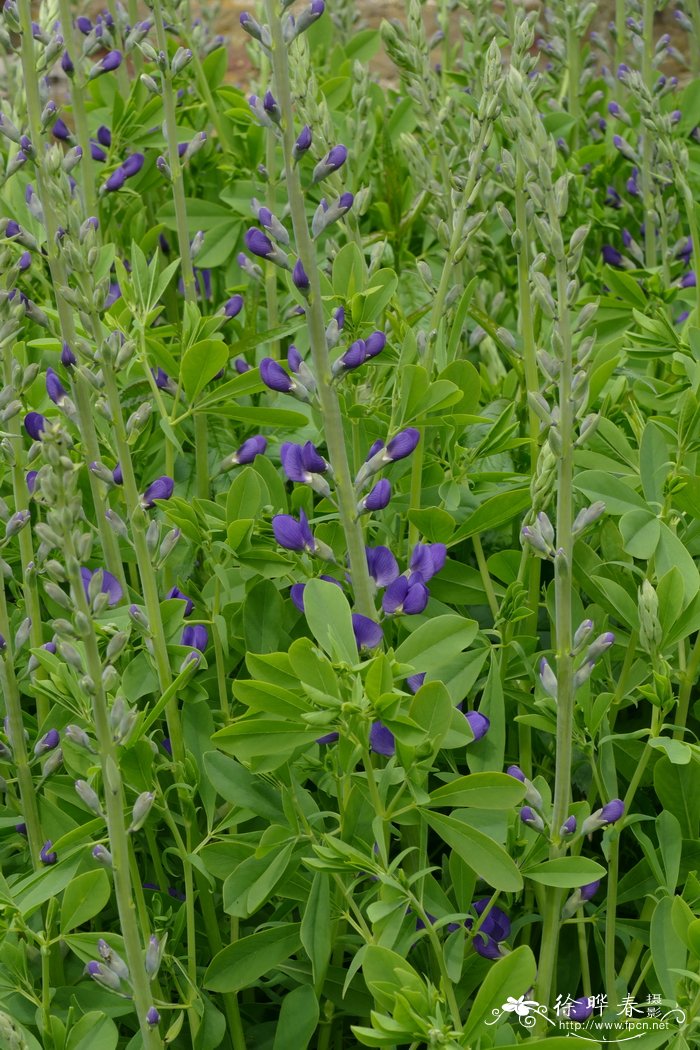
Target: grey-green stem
{"points": [[328, 399], [88, 433], [563, 612]]}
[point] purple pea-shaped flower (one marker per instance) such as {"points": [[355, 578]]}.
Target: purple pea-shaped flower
{"points": [[161, 488]]}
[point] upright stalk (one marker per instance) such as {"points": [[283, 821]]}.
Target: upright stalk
{"points": [[30, 589], [647, 144], [15, 725], [437, 313], [201, 437], [86, 167], [114, 807], [563, 563], [83, 398], [573, 51], [330, 407]]}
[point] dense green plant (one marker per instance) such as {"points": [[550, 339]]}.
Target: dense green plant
{"points": [[350, 626]]}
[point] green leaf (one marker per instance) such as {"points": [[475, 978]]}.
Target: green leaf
{"points": [[93, 1030], [565, 872], [483, 790], [272, 739], [672, 553], [479, 852], [236, 784], [241, 964], [386, 973], [434, 523], [263, 611], [349, 271], [625, 286], [432, 645], [668, 952], [510, 976], [654, 463], [640, 531], [247, 495], [615, 493], [330, 622], [84, 898], [493, 512], [200, 363], [316, 926], [431, 709], [678, 789], [488, 753], [298, 1019]]}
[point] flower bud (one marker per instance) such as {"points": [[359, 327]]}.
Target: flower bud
{"points": [[142, 807], [88, 796], [102, 855]]}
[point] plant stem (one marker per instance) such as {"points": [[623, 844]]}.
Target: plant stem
{"points": [[573, 51], [563, 611], [88, 433], [436, 315], [647, 145], [614, 861], [620, 27], [201, 435], [86, 166], [114, 808], [688, 680], [30, 588], [328, 399], [13, 706]]}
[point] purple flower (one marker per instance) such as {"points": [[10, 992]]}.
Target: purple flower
{"points": [[104, 136], [110, 585], [631, 184], [68, 358], [405, 595], [83, 24], [112, 60], [612, 198], [12, 229], [354, 356], [378, 497], [233, 306], [689, 280], [292, 534], [303, 142], [25, 261], [196, 636], [117, 475], [97, 153], [258, 243], [296, 592], [329, 738], [133, 164], [161, 377], [35, 424], [67, 65], [496, 923], [612, 811], [580, 1009], [301, 462], [115, 181], [251, 447], [374, 344], [487, 947], [403, 444], [31, 479], [428, 559], [48, 742], [532, 819], [47, 855], [382, 565], [589, 891], [611, 255], [381, 740], [334, 159], [415, 681], [274, 376], [161, 488], [294, 358], [368, 634], [54, 387], [61, 131], [479, 723], [300, 278], [568, 827], [152, 1017], [175, 592], [516, 771], [241, 365]]}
